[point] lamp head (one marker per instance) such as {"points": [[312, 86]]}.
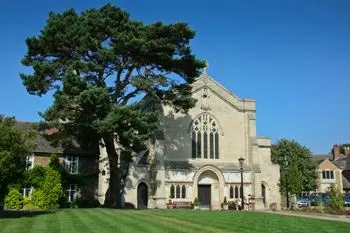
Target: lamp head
{"points": [[241, 162]]}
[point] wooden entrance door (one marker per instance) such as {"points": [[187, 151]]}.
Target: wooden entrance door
{"points": [[204, 195]]}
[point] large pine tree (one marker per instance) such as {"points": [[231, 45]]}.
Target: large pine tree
{"points": [[98, 64]]}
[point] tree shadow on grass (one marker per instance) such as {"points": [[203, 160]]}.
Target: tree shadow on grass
{"points": [[23, 213]]}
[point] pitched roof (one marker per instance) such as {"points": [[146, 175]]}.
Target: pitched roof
{"points": [[226, 95], [340, 162], [346, 182], [319, 158], [43, 145]]}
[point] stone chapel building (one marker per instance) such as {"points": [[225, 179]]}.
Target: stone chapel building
{"points": [[198, 155]]}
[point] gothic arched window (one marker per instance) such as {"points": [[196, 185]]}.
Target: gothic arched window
{"points": [[172, 191], [236, 192], [183, 191], [231, 191], [177, 191], [205, 137]]}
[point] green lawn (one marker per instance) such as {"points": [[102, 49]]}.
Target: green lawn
{"points": [[152, 221]]}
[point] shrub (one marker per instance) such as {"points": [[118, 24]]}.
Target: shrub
{"points": [[34, 177], [196, 202], [337, 199], [14, 199], [273, 206], [38, 199], [52, 188], [129, 205], [26, 201]]}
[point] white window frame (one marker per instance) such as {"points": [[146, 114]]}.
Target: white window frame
{"points": [[30, 160], [25, 189], [202, 146], [177, 188], [328, 175], [69, 160], [73, 189]]}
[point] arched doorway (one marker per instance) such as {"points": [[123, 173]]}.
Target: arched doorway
{"points": [[142, 196], [263, 194], [208, 189]]}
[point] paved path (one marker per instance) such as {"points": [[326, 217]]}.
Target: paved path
{"points": [[340, 218]]}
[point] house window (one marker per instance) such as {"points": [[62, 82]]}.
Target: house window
{"points": [[27, 191], [72, 193], [172, 191], [327, 174], [30, 161], [205, 137], [72, 164]]}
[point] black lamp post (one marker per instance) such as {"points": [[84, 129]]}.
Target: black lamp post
{"points": [[241, 163], [286, 178]]}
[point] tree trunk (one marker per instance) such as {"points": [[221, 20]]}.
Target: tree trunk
{"points": [[113, 195]]}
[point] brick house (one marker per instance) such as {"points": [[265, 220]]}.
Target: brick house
{"points": [[80, 164]]}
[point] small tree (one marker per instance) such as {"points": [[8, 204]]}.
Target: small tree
{"points": [[296, 166], [337, 199], [15, 145], [34, 177], [52, 188], [38, 199], [14, 199]]}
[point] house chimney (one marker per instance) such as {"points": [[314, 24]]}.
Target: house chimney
{"points": [[336, 152]]}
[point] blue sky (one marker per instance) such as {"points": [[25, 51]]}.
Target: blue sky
{"points": [[293, 57]]}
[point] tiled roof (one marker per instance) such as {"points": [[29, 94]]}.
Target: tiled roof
{"points": [[42, 145], [340, 162], [346, 183]]}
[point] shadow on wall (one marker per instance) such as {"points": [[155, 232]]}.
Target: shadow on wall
{"points": [[174, 136], [177, 136]]}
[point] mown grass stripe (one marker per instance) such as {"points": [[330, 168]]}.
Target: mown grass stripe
{"points": [[120, 223], [130, 220], [193, 218], [155, 225], [182, 224], [40, 223], [242, 221], [171, 221], [70, 221]]}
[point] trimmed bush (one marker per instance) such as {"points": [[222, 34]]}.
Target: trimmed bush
{"points": [[14, 199], [337, 199], [38, 199], [35, 176], [52, 188]]}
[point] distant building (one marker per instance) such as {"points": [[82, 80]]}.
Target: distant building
{"points": [[330, 169]]}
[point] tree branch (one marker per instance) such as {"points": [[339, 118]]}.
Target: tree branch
{"points": [[129, 96], [119, 85]]}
